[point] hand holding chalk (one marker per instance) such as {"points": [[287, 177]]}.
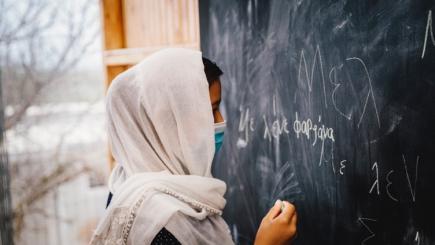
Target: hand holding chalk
{"points": [[278, 226]]}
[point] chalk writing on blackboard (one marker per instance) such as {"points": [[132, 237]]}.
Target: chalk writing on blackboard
{"points": [[306, 77], [370, 93], [246, 126], [387, 188], [411, 189], [375, 187], [364, 222], [376, 183], [417, 238], [429, 32], [275, 129], [309, 77], [360, 80], [335, 82], [310, 129], [342, 166]]}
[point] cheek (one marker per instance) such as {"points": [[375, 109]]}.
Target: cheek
{"points": [[217, 116]]}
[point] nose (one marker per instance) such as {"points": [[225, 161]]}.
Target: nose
{"points": [[218, 116]]}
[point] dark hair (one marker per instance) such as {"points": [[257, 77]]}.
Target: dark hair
{"points": [[212, 71]]}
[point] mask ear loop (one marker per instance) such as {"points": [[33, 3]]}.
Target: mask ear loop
{"points": [[220, 127]]}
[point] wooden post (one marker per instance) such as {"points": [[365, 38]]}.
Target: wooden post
{"points": [[113, 38]]}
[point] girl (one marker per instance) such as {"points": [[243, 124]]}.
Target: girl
{"points": [[164, 129]]}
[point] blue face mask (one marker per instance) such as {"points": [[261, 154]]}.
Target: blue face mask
{"points": [[219, 129]]}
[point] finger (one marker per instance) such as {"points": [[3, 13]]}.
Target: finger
{"points": [[275, 210], [294, 220], [288, 211], [293, 225]]}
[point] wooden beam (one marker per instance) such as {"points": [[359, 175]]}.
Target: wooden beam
{"points": [[132, 56]]}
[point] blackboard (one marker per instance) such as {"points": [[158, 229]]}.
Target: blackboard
{"points": [[329, 104]]}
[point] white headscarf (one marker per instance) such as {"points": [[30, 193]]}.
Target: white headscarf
{"points": [[161, 134]]}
